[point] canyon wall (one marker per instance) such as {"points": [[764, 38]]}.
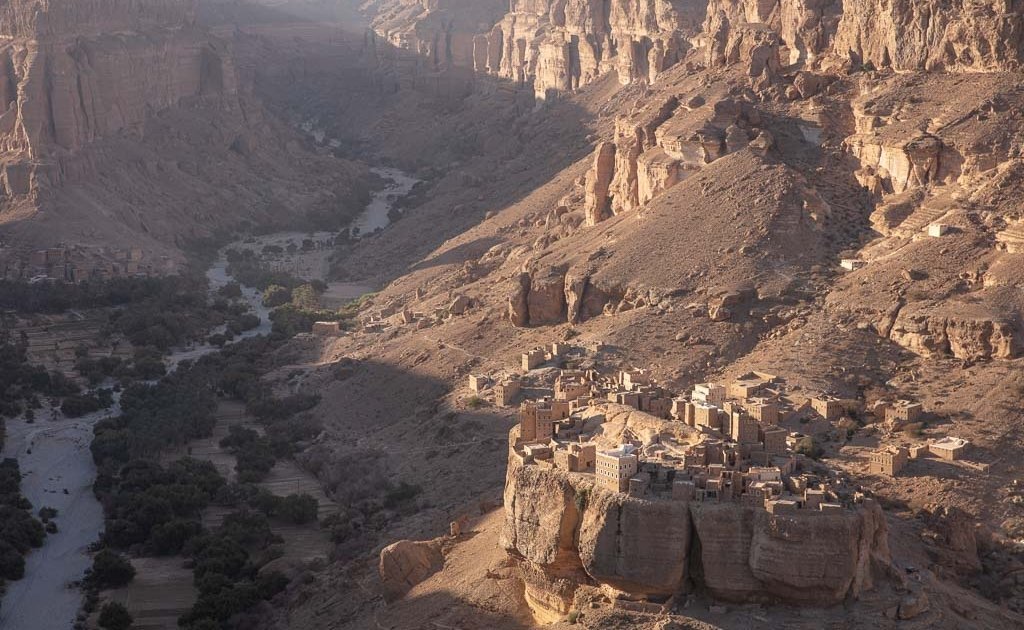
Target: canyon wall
{"points": [[550, 45], [123, 124], [903, 35], [561, 45], [767, 34], [60, 18], [71, 72], [439, 32], [558, 46], [565, 532], [961, 35]]}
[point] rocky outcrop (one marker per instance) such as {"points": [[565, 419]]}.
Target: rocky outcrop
{"points": [[952, 538], [959, 36], [895, 166], [554, 296], [660, 146], [765, 35], [539, 298], [597, 202], [813, 558], [561, 45], [565, 532], [546, 299], [440, 33], [963, 335], [518, 307], [406, 563], [638, 547], [541, 521]]}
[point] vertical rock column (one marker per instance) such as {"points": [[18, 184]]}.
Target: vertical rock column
{"points": [[598, 183]]}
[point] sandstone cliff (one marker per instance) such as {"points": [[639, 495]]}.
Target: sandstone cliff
{"points": [[561, 45], [440, 33], [903, 35], [552, 46], [566, 533], [764, 36], [75, 72], [907, 35], [122, 123]]}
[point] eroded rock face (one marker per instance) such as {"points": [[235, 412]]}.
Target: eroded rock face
{"points": [[639, 547], [657, 148], [566, 532], [896, 167], [561, 45], [908, 35], [904, 35], [539, 298], [597, 206], [952, 533], [962, 336], [518, 306], [546, 301], [29, 19], [764, 35], [541, 521], [68, 79], [439, 32]]}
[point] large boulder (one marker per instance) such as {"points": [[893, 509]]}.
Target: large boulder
{"points": [[406, 563]]}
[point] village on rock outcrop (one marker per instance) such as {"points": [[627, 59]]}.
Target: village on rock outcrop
{"points": [[728, 442], [625, 450]]}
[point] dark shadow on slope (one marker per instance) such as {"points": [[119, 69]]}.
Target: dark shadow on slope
{"points": [[458, 254], [480, 143], [398, 452]]}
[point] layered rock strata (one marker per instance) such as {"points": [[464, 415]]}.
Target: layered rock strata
{"points": [[903, 35]]}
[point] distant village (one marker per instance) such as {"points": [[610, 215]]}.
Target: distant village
{"points": [[78, 263], [734, 450]]}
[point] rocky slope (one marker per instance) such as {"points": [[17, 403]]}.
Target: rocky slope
{"points": [[694, 225], [95, 141]]}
